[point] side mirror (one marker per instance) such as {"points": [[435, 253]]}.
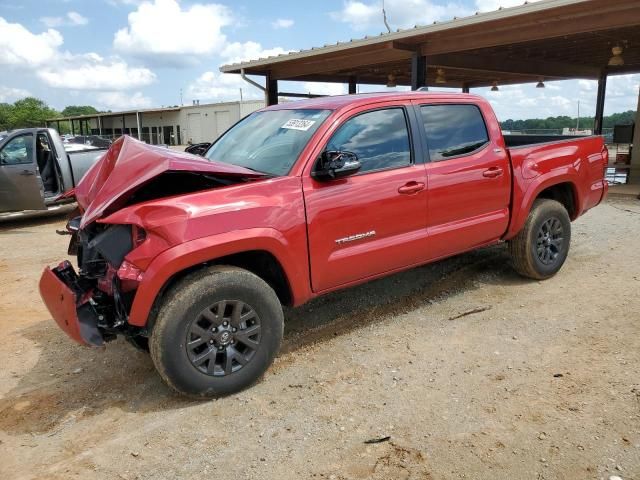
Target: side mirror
{"points": [[334, 164]]}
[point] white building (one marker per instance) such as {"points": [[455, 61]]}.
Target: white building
{"points": [[177, 125]]}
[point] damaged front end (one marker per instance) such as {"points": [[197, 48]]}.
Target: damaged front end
{"points": [[92, 306]]}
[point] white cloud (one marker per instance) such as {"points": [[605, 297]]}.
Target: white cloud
{"points": [[117, 3], [40, 54], [491, 5], [77, 19], [220, 86], [587, 84], [362, 15], [366, 14], [236, 52], [20, 47], [318, 88], [71, 19], [282, 23], [165, 32], [9, 94], [92, 72], [562, 97], [122, 101]]}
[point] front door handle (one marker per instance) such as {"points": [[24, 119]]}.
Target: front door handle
{"points": [[411, 188], [493, 172], [26, 173]]}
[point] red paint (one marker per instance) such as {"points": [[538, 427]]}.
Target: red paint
{"points": [[129, 164], [61, 302], [418, 213]]}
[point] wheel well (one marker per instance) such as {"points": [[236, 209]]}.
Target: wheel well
{"points": [[264, 265], [563, 193], [259, 262]]}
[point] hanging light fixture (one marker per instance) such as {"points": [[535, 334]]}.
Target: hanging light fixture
{"points": [[616, 60], [440, 76], [540, 83], [391, 80], [495, 88]]}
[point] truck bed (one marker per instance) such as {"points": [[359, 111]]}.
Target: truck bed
{"points": [[515, 141], [580, 159]]}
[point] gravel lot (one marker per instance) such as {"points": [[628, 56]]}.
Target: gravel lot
{"points": [[544, 383]]}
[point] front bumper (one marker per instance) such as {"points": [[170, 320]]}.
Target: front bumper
{"points": [[69, 305]]}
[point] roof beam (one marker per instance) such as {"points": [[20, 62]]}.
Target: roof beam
{"points": [[335, 64], [506, 33], [514, 66]]}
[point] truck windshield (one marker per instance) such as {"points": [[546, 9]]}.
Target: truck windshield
{"points": [[268, 141]]}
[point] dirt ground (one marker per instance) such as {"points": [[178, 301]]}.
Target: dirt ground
{"points": [[544, 384]]}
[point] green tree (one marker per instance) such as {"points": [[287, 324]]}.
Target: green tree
{"points": [[5, 116], [74, 110], [30, 112], [558, 123]]}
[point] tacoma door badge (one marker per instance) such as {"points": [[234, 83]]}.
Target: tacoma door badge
{"points": [[357, 236]]}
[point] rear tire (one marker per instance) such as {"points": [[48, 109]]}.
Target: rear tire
{"points": [[217, 332], [541, 247]]}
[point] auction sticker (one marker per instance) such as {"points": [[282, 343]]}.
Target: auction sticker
{"points": [[298, 124]]}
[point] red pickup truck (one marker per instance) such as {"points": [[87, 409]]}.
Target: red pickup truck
{"points": [[192, 258]]}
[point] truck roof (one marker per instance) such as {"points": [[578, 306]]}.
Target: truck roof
{"points": [[341, 101]]}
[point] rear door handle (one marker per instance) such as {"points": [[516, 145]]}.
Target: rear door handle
{"points": [[492, 172], [411, 188], [26, 173]]}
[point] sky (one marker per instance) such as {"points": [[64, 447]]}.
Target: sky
{"points": [[124, 54]]}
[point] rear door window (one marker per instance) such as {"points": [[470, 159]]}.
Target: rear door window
{"points": [[453, 130]]}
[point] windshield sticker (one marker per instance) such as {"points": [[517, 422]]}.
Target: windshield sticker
{"points": [[298, 124]]}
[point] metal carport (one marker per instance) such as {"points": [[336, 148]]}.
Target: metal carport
{"points": [[546, 40]]}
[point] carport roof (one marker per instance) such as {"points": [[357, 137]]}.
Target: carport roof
{"points": [[554, 39], [113, 114]]}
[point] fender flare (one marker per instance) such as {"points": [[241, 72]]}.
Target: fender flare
{"points": [[201, 250], [567, 175]]}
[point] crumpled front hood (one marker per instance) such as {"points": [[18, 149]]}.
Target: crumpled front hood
{"points": [[129, 164]]}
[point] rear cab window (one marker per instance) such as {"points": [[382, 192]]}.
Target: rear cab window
{"points": [[453, 130]]}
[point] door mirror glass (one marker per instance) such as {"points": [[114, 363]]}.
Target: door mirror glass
{"points": [[334, 164]]}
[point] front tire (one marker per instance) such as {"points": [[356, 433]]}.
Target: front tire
{"points": [[217, 332], [541, 247]]}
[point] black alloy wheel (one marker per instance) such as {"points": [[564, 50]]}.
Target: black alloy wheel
{"points": [[541, 247], [223, 338], [550, 241]]}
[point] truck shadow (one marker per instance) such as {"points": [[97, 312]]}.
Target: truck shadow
{"points": [[69, 382], [14, 223]]}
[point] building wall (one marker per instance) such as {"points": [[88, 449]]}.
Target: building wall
{"points": [[205, 123], [195, 123]]}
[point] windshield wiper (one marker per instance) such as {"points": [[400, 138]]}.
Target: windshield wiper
{"points": [[266, 174]]}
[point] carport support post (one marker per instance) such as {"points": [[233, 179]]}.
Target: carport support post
{"points": [[271, 94], [99, 125], [73, 128], [602, 88], [139, 122], [352, 85], [634, 173], [418, 71]]}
